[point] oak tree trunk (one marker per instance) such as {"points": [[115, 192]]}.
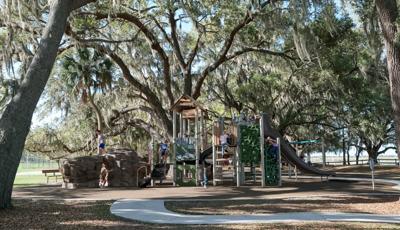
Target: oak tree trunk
{"points": [[388, 13], [15, 122]]}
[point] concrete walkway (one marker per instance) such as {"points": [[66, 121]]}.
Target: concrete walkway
{"points": [[154, 211]]}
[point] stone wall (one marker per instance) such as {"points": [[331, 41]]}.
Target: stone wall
{"points": [[85, 171]]}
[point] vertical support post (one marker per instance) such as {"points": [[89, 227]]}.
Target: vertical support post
{"points": [[373, 179], [323, 153], [214, 154], [295, 172], [188, 127], [181, 126], [262, 146], [279, 161], [372, 167], [290, 171], [184, 128], [174, 148], [152, 158], [196, 144], [202, 146], [238, 165]]}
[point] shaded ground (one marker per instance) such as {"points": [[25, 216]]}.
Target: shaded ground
{"points": [[381, 172], [88, 215], [356, 204], [49, 210], [290, 188]]}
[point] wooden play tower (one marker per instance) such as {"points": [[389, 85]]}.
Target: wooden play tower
{"points": [[190, 116]]}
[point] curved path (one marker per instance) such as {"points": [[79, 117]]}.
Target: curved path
{"points": [[154, 211]]}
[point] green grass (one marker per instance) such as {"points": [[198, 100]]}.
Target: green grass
{"points": [[30, 180], [33, 180]]}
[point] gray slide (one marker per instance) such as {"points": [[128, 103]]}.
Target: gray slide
{"points": [[289, 154]]}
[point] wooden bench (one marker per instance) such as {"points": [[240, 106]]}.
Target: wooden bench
{"points": [[51, 173]]}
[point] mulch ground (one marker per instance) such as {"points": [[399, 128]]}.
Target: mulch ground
{"points": [[355, 204], [381, 172], [28, 214]]}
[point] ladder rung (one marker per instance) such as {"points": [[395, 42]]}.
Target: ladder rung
{"points": [[223, 159], [224, 179]]}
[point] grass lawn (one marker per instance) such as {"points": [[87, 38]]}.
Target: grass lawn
{"points": [[30, 180], [31, 174], [28, 214]]}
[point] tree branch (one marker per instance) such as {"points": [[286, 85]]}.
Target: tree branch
{"points": [[152, 98], [193, 53], [259, 50], [222, 54], [154, 44], [79, 3], [386, 149], [175, 42]]}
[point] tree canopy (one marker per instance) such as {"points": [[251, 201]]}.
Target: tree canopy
{"points": [[317, 68]]}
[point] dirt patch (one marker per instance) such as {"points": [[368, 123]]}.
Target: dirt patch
{"points": [[354, 204]]}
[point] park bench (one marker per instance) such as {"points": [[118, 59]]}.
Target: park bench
{"points": [[51, 173]]}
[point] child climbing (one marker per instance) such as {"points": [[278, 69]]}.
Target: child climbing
{"points": [[164, 148], [101, 144], [104, 172], [224, 142], [273, 147]]}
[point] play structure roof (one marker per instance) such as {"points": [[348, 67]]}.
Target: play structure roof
{"points": [[187, 106]]}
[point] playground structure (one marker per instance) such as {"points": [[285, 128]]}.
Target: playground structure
{"points": [[247, 159]]}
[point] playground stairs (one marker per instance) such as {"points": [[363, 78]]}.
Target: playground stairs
{"points": [[225, 165]]}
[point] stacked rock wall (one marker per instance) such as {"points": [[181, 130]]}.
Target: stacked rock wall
{"points": [[123, 165]]}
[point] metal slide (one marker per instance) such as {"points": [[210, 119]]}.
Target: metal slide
{"points": [[205, 154], [289, 153]]}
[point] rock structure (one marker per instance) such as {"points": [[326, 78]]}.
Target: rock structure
{"points": [[124, 165]]}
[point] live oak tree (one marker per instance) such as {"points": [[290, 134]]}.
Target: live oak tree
{"points": [[15, 121], [388, 15], [162, 49]]}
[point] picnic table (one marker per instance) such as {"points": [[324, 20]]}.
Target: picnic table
{"points": [[51, 173]]}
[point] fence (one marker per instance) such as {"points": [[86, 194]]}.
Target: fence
{"points": [[363, 160], [29, 161]]}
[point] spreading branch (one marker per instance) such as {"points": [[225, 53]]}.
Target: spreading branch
{"points": [[152, 40]]}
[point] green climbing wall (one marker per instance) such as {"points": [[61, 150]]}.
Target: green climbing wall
{"points": [[250, 153], [250, 144], [271, 163]]}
